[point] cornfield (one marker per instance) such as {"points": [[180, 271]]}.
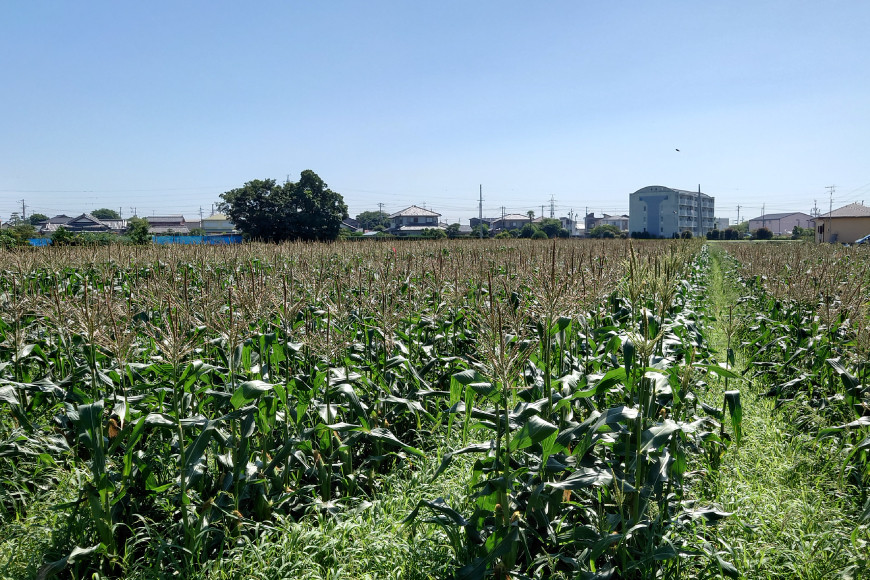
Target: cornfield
{"points": [[209, 392]]}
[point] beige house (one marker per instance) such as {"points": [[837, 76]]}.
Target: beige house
{"points": [[844, 225], [413, 220], [512, 221], [217, 224]]}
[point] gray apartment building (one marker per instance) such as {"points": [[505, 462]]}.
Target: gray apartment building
{"points": [[665, 211]]}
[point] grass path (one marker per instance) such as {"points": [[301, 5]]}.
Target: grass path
{"points": [[794, 517]]}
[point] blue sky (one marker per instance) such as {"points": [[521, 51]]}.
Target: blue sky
{"points": [[162, 106]]}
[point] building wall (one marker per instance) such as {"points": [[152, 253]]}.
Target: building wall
{"points": [[400, 221], [842, 230], [663, 211], [783, 225]]}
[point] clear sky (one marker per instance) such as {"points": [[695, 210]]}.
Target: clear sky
{"points": [[161, 106]]}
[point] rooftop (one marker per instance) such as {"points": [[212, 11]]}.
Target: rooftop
{"points": [[778, 216], [415, 211], [847, 211]]}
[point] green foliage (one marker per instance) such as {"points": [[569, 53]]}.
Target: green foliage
{"points": [[503, 235], [605, 231], [305, 210], [539, 235], [762, 234], [453, 231], [433, 233], [551, 227], [369, 220], [799, 233], [480, 230], [62, 237], [138, 231], [36, 218], [686, 235], [105, 213], [528, 230]]}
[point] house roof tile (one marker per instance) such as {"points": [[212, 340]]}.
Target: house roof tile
{"points": [[414, 211], [847, 211]]}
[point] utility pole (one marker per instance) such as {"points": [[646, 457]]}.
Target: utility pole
{"points": [[831, 189], [23, 207], [480, 213], [762, 215], [542, 212], [552, 215], [200, 217], [380, 208]]}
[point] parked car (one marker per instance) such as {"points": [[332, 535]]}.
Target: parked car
{"points": [[864, 240]]}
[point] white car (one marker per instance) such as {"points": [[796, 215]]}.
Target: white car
{"points": [[864, 240]]}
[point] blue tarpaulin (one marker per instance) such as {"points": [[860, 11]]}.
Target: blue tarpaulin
{"points": [[197, 240]]}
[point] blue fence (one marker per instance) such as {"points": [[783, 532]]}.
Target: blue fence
{"points": [[199, 240], [40, 241]]}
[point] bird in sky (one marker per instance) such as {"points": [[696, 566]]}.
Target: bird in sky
{"points": [[677, 149]]}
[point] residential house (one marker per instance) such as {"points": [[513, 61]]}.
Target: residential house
{"points": [[512, 221], [487, 220], [88, 223], [167, 224], [570, 224], [50, 225], [217, 224], [844, 225], [781, 223], [351, 225], [665, 211], [620, 221], [413, 220]]}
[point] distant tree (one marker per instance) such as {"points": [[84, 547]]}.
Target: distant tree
{"points": [[105, 213], [35, 218], [369, 220], [551, 227], [714, 234], [137, 231], [531, 215], [453, 231], [799, 233], [742, 229], [564, 233], [197, 232], [762, 234], [730, 234], [528, 230], [605, 231], [686, 235], [481, 230], [62, 237], [503, 235], [433, 233], [305, 210], [539, 235]]}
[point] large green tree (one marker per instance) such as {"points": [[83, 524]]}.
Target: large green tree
{"points": [[105, 213], [369, 220], [35, 218], [268, 211]]}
